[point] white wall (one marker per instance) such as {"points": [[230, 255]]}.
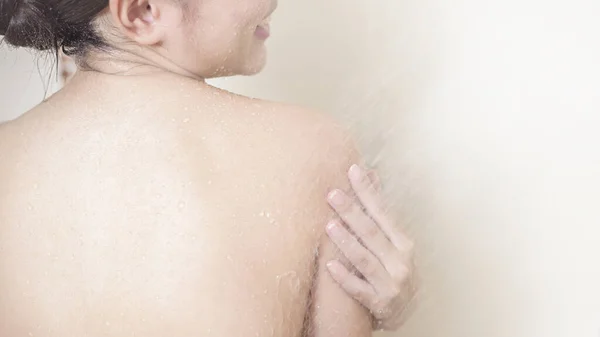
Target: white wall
{"points": [[482, 116], [25, 80]]}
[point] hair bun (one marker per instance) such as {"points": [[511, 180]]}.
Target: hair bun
{"points": [[30, 24], [51, 24], [8, 8]]}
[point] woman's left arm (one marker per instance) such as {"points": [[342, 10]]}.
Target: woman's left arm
{"points": [[380, 253]]}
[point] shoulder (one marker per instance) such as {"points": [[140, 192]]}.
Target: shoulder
{"points": [[252, 129], [20, 132], [11, 146], [317, 141], [315, 129], [8, 137], [278, 122]]}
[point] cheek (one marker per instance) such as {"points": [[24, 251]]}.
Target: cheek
{"points": [[251, 14]]}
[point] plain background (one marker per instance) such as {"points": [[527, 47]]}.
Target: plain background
{"points": [[483, 119]]}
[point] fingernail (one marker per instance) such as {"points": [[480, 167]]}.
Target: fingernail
{"points": [[355, 173], [333, 267], [337, 198], [332, 228]]}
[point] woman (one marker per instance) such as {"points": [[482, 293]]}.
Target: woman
{"points": [[139, 200]]}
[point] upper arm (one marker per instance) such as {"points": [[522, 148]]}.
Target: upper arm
{"points": [[334, 313], [322, 153]]}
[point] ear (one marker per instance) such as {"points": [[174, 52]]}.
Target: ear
{"points": [[140, 20]]}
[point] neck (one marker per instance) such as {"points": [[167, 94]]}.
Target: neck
{"points": [[143, 61]]}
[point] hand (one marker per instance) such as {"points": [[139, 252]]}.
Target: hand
{"points": [[377, 250]]}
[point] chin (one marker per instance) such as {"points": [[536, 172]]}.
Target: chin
{"points": [[250, 66], [252, 70], [254, 62], [246, 70]]}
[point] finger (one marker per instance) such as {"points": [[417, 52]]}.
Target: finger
{"points": [[359, 289], [360, 258], [375, 181], [367, 194], [373, 203], [361, 224]]}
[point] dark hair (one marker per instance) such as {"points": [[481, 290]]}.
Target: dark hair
{"points": [[50, 25]]}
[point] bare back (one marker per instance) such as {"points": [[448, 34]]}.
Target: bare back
{"points": [[159, 208]]}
